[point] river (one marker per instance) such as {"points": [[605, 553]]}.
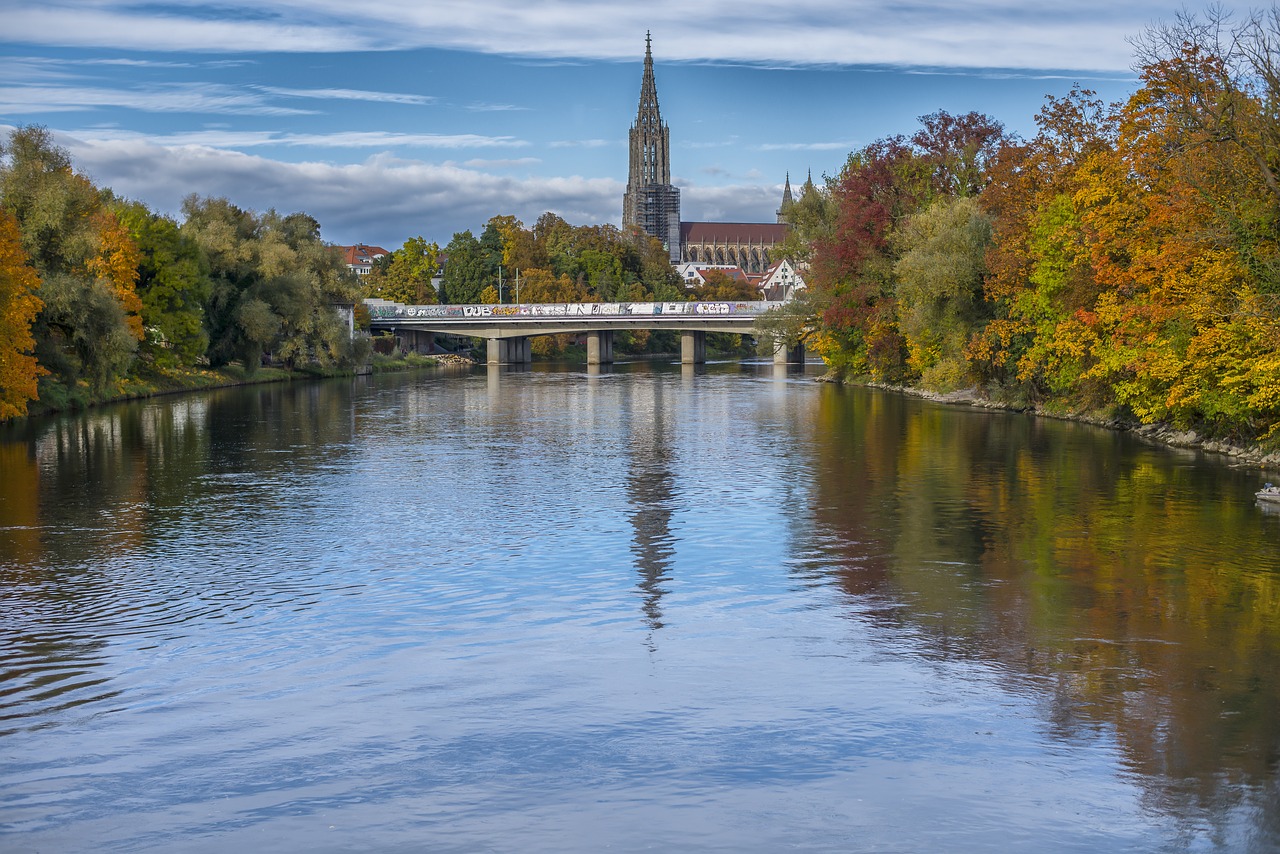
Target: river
{"points": [[647, 608]]}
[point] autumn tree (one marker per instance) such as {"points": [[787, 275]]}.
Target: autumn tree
{"points": [[173, 284], [939, 288], [89, 326], [405, 275], [19, 306]]}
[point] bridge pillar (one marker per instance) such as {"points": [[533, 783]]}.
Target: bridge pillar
{"points": [[693, 347], [784, 355], [417, 341], [510, 351], [600, 347]]}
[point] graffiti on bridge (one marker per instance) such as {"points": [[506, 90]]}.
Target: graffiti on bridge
{"points": [[571, 309]]}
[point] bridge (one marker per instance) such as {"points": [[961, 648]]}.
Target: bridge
{"points": [[508, 328]]}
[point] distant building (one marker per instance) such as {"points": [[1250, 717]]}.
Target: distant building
{"points": [[695, 275], [359, 258], [651, 203], [749, 245], [781, 281]]}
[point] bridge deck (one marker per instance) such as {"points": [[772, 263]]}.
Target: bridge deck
{"points": [[511, 321]]}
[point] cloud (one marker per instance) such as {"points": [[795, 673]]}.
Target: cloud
{"points": [[843, 145], [584, 143], [384, 199], [381, 200], [173, 98], [350, 95], [494, 108], [511, 163], [985, 34], [232, 139]]}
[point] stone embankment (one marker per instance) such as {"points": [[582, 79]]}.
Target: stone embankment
{"points": [[1162, 434], [454, 359]]}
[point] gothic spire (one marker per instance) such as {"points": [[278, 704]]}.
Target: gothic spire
{"points": [[788, 201], [647, 116]]}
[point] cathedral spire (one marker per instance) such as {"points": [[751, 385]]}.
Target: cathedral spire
{"points": [[651, 203], [788, 200]]}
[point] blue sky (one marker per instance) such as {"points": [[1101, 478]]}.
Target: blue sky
{"points": [[393, 118]]}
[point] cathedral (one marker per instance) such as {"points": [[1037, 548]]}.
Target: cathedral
{"points": [[652, 202]]}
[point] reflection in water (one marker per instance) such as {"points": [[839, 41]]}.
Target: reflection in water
{"points": [[401, 611], [1133, 592], [651, 491]]}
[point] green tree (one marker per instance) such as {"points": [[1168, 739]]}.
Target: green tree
{"points": [[466, 271], [405, 275], [939, 288], [173, 283]]}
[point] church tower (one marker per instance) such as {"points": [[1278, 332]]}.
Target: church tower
{"points": [[651, 203], [784, 211]]}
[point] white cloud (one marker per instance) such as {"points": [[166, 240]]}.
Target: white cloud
{"points": [[381, 200], [384, 199], [844, 145], [351, 95], [183, 98], [232, 139], [584, 143], [1085, 35]]}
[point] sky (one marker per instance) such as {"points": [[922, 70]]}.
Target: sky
{"points": [[388, 119]]}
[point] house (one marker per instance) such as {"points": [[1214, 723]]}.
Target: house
{"points": [[359, 258], [693, 275], [781, 281]]}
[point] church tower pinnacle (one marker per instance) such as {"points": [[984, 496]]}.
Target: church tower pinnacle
{"points": [[784, 210], [651, 203]]}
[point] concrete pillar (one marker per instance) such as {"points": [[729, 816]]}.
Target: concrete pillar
{"points": [[693, 347], [784, 355], [600, 347], [526, 350], [497, 351], [417, 341]]}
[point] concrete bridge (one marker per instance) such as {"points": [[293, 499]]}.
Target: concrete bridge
{"points": [[508, 328]]}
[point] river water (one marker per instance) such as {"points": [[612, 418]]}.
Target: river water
{"points": [[649, 608]]}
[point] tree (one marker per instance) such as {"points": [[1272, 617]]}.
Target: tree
{"points": [[465, 272], [89, 326], [173, 283], [274, 286], [939, 288], [405, 275], [19, 306]]}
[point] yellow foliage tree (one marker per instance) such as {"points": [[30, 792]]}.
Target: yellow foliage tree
{"points": [[116, 263], [19, 306]]}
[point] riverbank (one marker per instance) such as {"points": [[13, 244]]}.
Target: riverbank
{"points": [[160, 382], [1241, 454]]}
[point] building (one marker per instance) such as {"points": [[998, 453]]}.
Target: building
{"points": [[359, 258], [749, 245], [651, 202], [781, 281]]}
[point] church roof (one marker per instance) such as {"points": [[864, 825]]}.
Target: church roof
{"points": [[733, 232]]}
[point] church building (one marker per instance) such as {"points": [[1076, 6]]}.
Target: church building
{"points": [[652, 203]]}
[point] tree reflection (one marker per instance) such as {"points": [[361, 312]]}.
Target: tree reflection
{"points": [[1132, 589]]}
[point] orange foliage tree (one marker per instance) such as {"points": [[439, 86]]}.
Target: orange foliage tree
{"points": [[19, 306]]}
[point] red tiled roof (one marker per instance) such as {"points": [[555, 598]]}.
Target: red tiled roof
{"points": [[361, 253], [747, 233]]}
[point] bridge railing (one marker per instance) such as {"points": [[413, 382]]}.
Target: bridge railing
{"points": [[383, 310]]}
